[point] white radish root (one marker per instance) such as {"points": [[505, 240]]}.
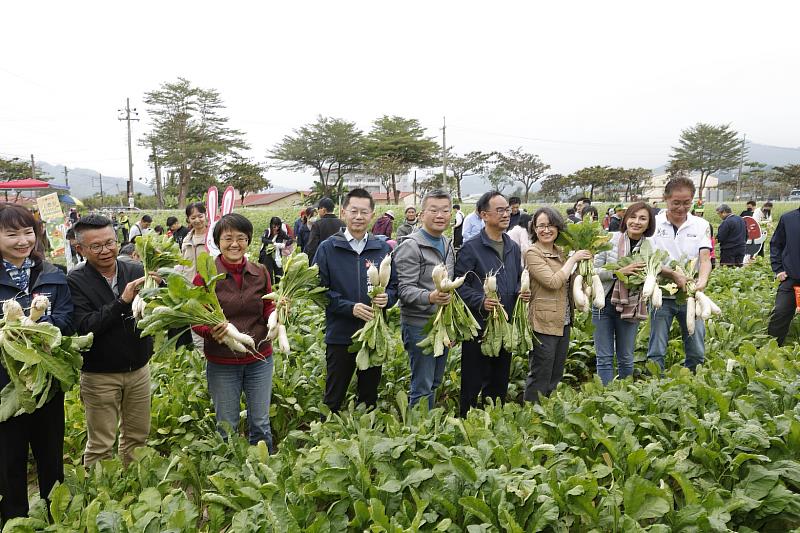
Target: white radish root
{"points": [[242, 339], [599, 294], [657, 298], [649, 286], [577, 292], [690, 315]]}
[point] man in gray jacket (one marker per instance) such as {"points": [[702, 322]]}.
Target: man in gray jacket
{"points": [[414, 261]]}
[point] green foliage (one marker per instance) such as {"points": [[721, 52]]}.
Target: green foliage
{"points": [[191, 138], [331, 147], [707, 149], [523, 167], [244, 175]]}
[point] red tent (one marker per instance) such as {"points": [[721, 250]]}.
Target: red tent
{"points": [[26, 184]]}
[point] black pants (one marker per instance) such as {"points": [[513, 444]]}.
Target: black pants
{"points": [[731, 257], [458, 240], [43, 431], [546, 362], [482, 375], [783, 313], [341, 364]]}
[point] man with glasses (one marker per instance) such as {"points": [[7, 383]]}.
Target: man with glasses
{"points": [[492, 251], [414, 259], [115, 379], [343, 261], [682, 235]]}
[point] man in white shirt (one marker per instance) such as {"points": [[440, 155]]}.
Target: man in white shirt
{"points": [[473, 224], [681, 234], [458, 236], [140, 228]]}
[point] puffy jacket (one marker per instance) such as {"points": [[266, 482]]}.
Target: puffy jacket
{"points": [[414, 260], [344, 272], [476, 259], [46, 280], [117, 346], [322, 229]]}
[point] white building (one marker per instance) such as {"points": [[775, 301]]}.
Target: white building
{"points": [[655, 189]]}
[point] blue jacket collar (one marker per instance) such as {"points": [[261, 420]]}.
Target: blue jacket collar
{"points": [[340, 241], [486, 241]]}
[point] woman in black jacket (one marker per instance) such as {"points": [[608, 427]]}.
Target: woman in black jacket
{"points": [[273, 243], [24, 275]]}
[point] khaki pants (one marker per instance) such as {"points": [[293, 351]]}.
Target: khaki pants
{"points": [[115, 400]]}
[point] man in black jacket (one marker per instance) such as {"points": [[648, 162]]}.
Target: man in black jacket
{"points": [[731, 236], [784, 254], [327, 225], [115, 379]]}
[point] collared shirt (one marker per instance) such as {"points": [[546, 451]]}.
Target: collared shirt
{"points": [[472, 226], [355, 244], [20, 275], [112, 282], [685, 241]]}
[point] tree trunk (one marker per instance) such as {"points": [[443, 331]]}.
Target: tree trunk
{"points": [[527, 190], [183, 188], [394, 190], [458, 177]]}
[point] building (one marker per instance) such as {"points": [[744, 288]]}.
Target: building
{"points": [[373, 184], [655, 189], [273, 199], [407, 199]]}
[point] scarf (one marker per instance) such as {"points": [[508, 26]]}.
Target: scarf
{"points": [[235, 270], [629, 305], [20, 275]]}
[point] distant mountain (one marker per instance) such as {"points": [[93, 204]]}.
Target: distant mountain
{"points": [[84, 182]]}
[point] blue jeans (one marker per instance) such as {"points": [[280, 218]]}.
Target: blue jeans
{"points": [[660, 324], [226, 383], [613, 335], [427, 371]]}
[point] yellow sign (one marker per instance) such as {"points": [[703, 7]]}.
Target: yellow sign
{"points": [[50, 208]]}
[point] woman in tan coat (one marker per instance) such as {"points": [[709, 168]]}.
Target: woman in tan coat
{"points": [[551, 303]]}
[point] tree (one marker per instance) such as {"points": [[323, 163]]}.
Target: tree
{"points": [[386, 167], [523, 167], [434, 181], [18, 169], [245, 175], [190, 135], [553, 187], [707, 149], [331, 147], [589, 178], [403, 142], [631, 180], [465, 165], [788, 176]]}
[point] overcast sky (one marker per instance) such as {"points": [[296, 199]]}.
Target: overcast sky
{"points": [[579, 83]]}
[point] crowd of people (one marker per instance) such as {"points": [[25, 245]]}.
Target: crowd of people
{"points": [[496, 237]]}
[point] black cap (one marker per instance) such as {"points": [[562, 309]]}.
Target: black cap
{"points": [[326, 203]]}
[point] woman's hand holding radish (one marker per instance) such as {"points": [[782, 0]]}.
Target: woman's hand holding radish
{"points": [[525, 296], [219, 331], [363, 311], [632, 268]]}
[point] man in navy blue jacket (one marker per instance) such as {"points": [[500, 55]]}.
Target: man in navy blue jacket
{"points": [[731, 236], [491, 251], [784, 254], [343, 261]]}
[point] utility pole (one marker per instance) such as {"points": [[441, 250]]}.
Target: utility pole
{"points": [[415, 187], [33, 168], [66, 176], [739, 175], [157, 168], [444, 153], [127, 118], [101, 191]]}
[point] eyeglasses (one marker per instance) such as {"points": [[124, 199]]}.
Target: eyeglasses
{"points": [[98, 248], [437, 212], [500, 211], [238, 240], [544, 227], [355, 212]]}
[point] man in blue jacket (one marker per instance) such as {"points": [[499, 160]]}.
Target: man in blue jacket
{"points": [[491, 251], [343, 261], [731, 236], [784, 254]]}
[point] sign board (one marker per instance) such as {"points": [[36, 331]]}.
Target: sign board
{"points": [[50, 208]]}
